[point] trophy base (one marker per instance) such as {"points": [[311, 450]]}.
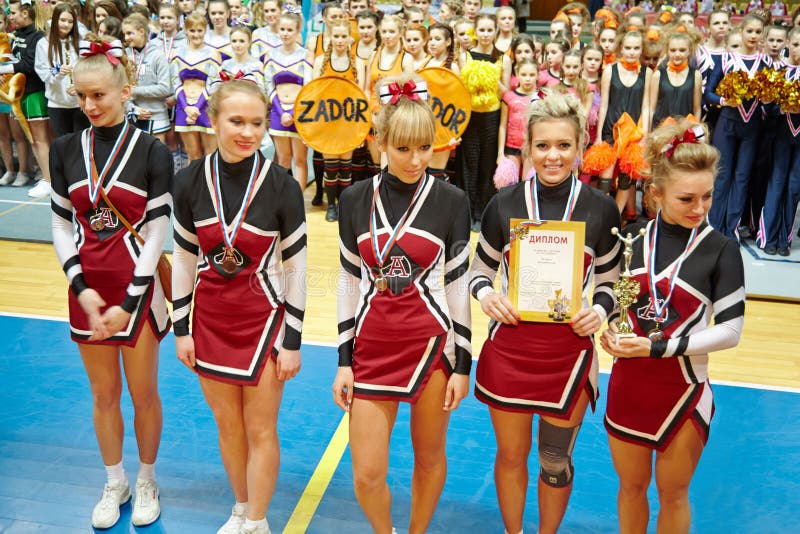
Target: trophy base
{"points": [[618, 336]]}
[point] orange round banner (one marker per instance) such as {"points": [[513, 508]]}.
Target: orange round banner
{"points": [[450, 103], [332, 115]]}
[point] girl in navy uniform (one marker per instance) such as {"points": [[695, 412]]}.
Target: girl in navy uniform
{"points": [[709, 55], [116, 305], [528, 368], [240, 226], [783, 190], [659, 397], [404, 318], [736, 135]]}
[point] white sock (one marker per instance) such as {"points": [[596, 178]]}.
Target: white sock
{"points": [[116, 474], [507, 532], [250, 524], [241, 507], [147, 472]]}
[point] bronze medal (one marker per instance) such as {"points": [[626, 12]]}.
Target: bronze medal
{"points": [[656, 334], [228, 263], [381, 284], [97, 223]]}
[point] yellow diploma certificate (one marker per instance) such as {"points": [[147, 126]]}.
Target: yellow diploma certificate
{"points": [[546, 269]]}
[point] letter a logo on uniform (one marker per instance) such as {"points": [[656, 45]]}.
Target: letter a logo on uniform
{"points": [[399, 267]]}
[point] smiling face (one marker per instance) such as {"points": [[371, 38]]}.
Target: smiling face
{"points": [[685, 197], [218, 14], [65, 24], [678, 51], [271, 12], [195, 34], [134, 36], [102, 102], [240, 124], [438, 43], [408, 162], [367, 30], [553, 149]]}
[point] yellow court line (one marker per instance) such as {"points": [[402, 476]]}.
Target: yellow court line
{"points": [[315, 489]]}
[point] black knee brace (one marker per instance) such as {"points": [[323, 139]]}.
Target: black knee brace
{"points": [[555, 453]]}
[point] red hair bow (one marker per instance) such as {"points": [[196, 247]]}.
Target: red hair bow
{"points": [[112, 50], [392, 92], [692, 135], [227, 76]]}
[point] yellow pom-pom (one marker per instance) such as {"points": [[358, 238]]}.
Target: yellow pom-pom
{"points": [[481, 79], [735, 87], [598, 158]]}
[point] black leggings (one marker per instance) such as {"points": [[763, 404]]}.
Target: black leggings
{"points": [[479, 159], [66, 120]]}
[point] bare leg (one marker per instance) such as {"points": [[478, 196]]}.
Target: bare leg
{"points": [[225, 401], [141, 374], [371, 424], [209, 143], [261, 404], [191, 142], [300, 160], [553, 501], [634, 467], [40, 130], [23, 147], [512, 431], [429, 437], [6, 151], [674, 470], [283, 151], [105, 379]]}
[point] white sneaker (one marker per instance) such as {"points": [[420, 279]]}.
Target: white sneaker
{"points": [[234, 523], [41, 189], [8, 177], [22, 179], [263, 529], [146, 507], [106, 512]]}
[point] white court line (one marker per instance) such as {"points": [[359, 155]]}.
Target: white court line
{"points": [[334, 345], [26, 202]]}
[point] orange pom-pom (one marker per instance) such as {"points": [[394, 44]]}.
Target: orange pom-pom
{"points": [[735, 87], [598, 158], [632, 162]]}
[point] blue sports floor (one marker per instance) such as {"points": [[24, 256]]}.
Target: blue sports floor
{"points": [[51, 473]]}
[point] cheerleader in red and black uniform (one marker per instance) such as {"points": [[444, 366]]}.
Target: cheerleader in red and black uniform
{"points": [[115, 302], [528, 368], [404, 318], [240, 225], [659, 397]]}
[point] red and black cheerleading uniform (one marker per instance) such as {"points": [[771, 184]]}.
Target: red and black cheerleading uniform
{"points": [[543, 367], [243, 317], [649, 399], [110, 260], [395, 339]]}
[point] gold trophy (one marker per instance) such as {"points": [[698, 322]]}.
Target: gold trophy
{"points": [[626, 289]]}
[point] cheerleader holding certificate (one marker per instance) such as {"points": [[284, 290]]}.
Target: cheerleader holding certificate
{"points": [[659, 399], [404, 324], [550, 369], [240, 250]]}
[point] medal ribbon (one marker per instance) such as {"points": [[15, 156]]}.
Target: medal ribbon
{"points": [[138, 60], [230, 237], [571, 201], [95, 181], [381, 253], [167, 51], [673, 276]]}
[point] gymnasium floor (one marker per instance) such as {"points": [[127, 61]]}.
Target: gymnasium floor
{"points": [[51, 473]]}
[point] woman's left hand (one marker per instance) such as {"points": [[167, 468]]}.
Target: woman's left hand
{"points": [[626, 347], [288, 364], [586, 322], [115, 319], [457, 389]]}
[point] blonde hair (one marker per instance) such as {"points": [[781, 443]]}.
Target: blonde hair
{"points": [[406, 123], [226, 89], [556, 106], [121, 75], [687, 157], [195, 20]]}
